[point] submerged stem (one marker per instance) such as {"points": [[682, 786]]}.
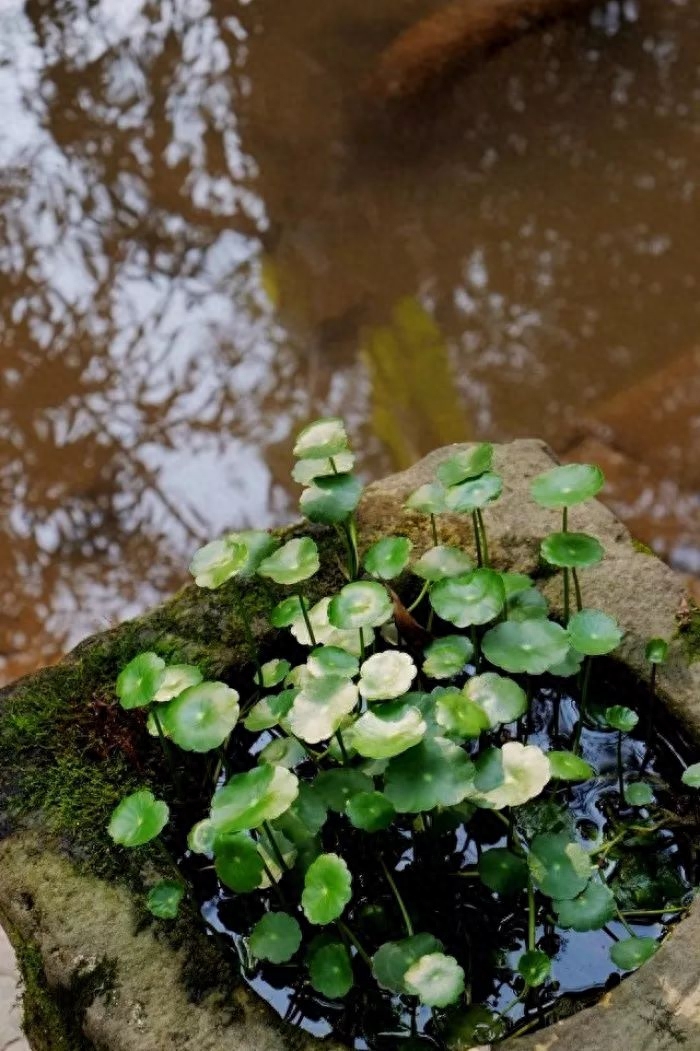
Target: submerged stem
{"points": [[399, 900]]}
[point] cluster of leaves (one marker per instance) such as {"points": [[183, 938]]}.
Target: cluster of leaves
{"points": [[369, 731]]}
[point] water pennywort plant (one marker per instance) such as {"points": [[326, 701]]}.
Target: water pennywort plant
{"points": [[407, 808]]}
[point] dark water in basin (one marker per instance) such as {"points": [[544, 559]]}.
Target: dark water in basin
{"points": [[209, 235]]}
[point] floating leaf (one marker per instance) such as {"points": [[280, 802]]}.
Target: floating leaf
{"points": [[305, 471], [389, 733], [327, 889], [566, 766], [472, 598], [275, 937], [501, 699], [321, 439], [283, 751], [331, 660], [434, 773], [330, 970], [467, 463], [387, 675], [164, 899], [138, 819], [588, 911], [475, 494], [469, 1026], [559, 867], [251, 798], [530, 646], [288, 611], [510, 775], [388, 557], [430, 499], [571, 550], [442, 562], [567, 485], [139, 681], [436, 979], [535, 967], [201, 837], [295, 561], [691, 776], [176, 679], [656, 651], [446, 657], [393, 959], [268, 712], [458, 715], [217, 562], [631, 953], [639, 794], [594, 633], [621, 718], [331, 500], [337, 787], [201, 717], [370, 811], [238, 862], [320, 707], [502, 871], [361, 604]]}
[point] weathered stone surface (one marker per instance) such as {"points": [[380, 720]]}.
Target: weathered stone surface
{"points": [[100, 975]]}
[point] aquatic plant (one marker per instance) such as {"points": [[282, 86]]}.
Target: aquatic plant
{"points": [[387, 733]]}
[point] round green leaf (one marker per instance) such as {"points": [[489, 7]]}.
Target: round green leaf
{"points": [[258, 544], [467, 463], [268, 712], [164, 899], [389, 733], [387, 675], [559, 867], [567, 485], [510, 775], [514, 583], [320, 707], [691, 776], [393, 959], [337, 787], [140, 680], [502, 871], [201, 717], [325, 633], [275, 937], [474, 494], [442, 562], [631, 953], [286, 612], [639, 794], [321, 439], [571, 665], [331, 500], [201, 837], [535, 967], [571, 550], [331, 660], [176, 679], [283, 751], [594, 633], [469, 1026], [430, 499], [446, 657], [251, 798], [434, 773], [361, 604], [304, 818], [327, 889], [501, 699], [305, 471], [217, 562], [436, 979], [530, 646], [566, 766], [272, 673], [588, 911], [621, 718], [238, 862], [295, 561], [370, 811], [529, 604], [138, 819], [330, 970], [656, 651], [458, 715], [472, 598], [388, 557]]}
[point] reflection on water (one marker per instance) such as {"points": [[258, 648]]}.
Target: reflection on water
{"points": [[208, 235]]}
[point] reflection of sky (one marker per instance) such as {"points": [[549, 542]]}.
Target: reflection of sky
{"points": [[201, 223]]}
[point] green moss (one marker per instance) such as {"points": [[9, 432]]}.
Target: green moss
{"points": [[641, 547], [688, 634]]}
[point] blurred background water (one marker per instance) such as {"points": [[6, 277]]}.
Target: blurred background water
{"points": [[209, 234]]}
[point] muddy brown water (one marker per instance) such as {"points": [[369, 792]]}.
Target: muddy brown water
{"points": [[208, 235]]}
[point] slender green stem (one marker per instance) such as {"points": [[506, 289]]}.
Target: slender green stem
{"points": [[577, 590], [275, 847], [421, 596], [343, 749], [530, 914], [273, 882], [399, 900], [565, 519], [305, 615], [362, 644], [655, 912], [484, 541], [620, 772], [624, 922], [344, 929], [433, 528], [477, 539], [351, 528]]}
